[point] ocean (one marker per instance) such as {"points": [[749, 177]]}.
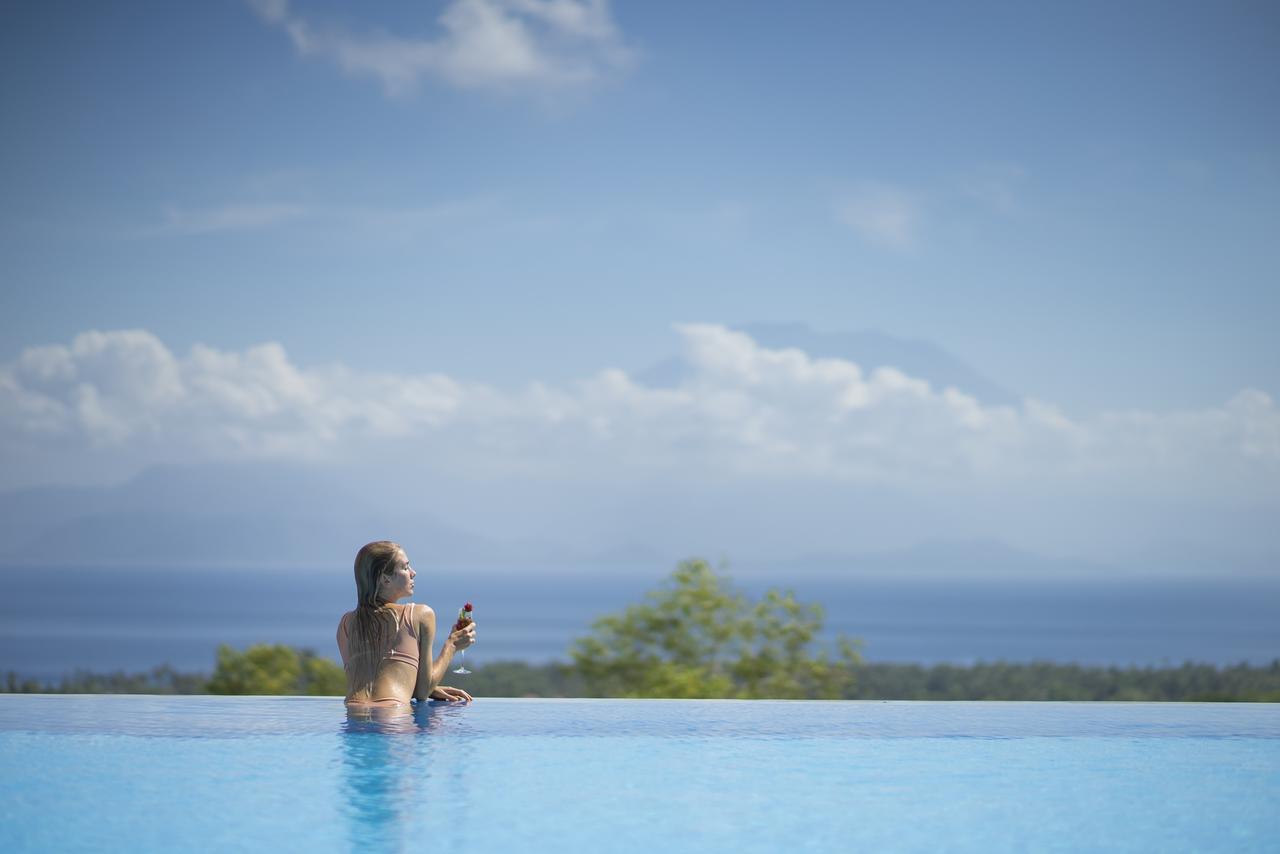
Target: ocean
{"points": [[56, 620]]}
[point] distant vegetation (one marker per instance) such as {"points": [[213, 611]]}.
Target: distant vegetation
{"points": [[275, 669], [997, 681], [159, 680], [260, 669], [698, 637]]}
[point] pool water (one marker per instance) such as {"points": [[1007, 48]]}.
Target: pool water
{"points": [[164, 773]]}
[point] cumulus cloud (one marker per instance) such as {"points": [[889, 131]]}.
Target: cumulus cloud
{"points": [[995, 186], [234, 217], [482, 44], [744, 412], [385, 223], [125, 388], [881, 215]]}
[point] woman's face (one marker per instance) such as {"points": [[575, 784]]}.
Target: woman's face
{"points": [[399, 583]]}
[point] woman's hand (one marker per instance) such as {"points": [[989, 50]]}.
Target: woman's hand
{"points": [[463, 637], [450, 695]]}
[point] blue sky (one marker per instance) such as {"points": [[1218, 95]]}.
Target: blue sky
{"points": [[1078, 200]]}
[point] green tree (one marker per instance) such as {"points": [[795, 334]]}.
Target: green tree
{"points": [[275, 669], [321, 677], [698, 637]]}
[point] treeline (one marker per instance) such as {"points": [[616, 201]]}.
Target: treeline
{"points": [[272, 669], [869, 681], [994, 681], [1049, 681]]}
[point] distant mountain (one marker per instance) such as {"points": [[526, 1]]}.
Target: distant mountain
{"points": [[992, 560], [868, 349], [943, 559], [255, 515], [251, 515]]}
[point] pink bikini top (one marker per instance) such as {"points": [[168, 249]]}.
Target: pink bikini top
{"points": [[405, 646]]}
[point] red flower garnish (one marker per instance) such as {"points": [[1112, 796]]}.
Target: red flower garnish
{"points": [[467, 607]]}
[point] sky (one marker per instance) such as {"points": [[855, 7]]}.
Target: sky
{"points": [[453, 236]]}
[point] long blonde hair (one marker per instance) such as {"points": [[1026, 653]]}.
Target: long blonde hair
{"points": [[373, 629]]}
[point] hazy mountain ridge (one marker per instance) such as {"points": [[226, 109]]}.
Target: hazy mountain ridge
{"points": [[935, 559], [204, 515], [259, 516]]}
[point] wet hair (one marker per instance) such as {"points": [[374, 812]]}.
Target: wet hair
{"points": [[372, 631]]}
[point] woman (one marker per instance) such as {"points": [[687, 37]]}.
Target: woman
{"points": [[386, 648]]}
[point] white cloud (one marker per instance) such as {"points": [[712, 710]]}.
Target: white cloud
{"points": [[483, 44], [745, 412], [385, 223], [995, 186], [881, 215], [235, 217]]}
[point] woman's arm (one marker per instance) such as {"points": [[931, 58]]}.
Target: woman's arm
{"points": [[426, 640], [343, 638], [431, 670]]}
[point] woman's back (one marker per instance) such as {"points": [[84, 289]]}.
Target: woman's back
{"points": [[381, 666]]}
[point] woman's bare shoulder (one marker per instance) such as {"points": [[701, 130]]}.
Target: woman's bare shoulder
{"points": [[423, 613]]}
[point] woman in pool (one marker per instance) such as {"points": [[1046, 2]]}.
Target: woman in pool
{"points": [[386, 647]]}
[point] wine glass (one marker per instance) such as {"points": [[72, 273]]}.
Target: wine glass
{"points": [[464, 618]]}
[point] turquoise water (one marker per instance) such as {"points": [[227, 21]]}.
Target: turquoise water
{"points": [[159, 773]]}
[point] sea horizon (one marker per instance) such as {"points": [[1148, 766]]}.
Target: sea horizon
{"points": [[135, 619]]}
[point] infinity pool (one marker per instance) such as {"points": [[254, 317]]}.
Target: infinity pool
{"points": [[165, 773]]}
